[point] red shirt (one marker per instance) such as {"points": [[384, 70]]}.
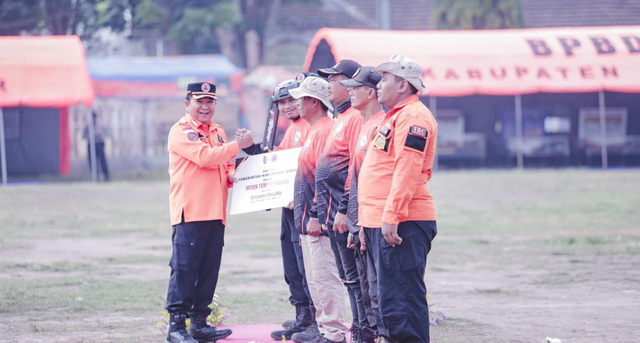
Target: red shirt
{"points": [[333, 166], [305, 186]]}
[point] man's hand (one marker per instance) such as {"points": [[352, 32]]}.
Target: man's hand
{"points": [[363, 245], [244, 138], [290, 206], [313, 227], [350, 244], [340, 223], [390, 233], [239, 133]]}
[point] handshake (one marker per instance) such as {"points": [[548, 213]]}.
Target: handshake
{"points": [[244, 138]]}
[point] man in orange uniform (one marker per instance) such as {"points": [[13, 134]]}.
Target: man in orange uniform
{"points": [[292, 258], [331, 176], [320, 263], [362, 91], [396, 207], [201, 173]]}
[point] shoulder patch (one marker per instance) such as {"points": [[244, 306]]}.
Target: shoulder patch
{"points": [[416, 142], [418, 131], [192, 136]]}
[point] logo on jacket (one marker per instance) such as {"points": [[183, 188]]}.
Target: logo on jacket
{"points": [[363, 141], [298, 135], [339, 129]]}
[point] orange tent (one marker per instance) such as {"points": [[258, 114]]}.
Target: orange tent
{"points": [[497, 62], [49, 72]]}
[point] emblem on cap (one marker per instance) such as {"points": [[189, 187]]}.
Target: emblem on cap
{"points": [[205, 87], [300, 77]]}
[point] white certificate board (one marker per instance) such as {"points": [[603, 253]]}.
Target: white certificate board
{"points": [[265, 181]]}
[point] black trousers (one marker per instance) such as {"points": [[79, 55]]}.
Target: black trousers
{"points": [[101, 160], [195, 263], [348, 272], [292, 262], [367, 294], [402, 293]]}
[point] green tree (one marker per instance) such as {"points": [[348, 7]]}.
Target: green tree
{"points": [[476, 14], [61, 17]]}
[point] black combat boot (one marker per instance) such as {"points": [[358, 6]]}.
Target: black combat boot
{"points": [[304, 320], [202, 332], [178, 329], [367, 335], [355, 333], [288, 324], [307, 335]]}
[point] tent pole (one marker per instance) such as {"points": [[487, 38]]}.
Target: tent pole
{"points": [[520, 159], [433, 106], [603, 133], [3, 151], [92, 148]]}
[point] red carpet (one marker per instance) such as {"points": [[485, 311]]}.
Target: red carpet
{"points": [[258, 333]]}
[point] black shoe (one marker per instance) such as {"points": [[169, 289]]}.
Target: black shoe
{"points": [[288, 324], [304, 321], [178, 330], [307, 335], [205, 333], [367, 335], [355, 334]]}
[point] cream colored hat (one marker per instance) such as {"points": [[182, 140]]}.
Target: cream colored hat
{"points": [[405, 68], [314, 87]]}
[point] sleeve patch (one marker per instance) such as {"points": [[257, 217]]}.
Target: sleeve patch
{"points": [[418, 131], [192, 136], [416, 142]]}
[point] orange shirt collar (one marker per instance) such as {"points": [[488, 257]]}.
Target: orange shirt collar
{"points": [[403, 103], [196, 124]]}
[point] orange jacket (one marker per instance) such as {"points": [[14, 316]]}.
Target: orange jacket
{"points": [[397, 166], [199, 169]]}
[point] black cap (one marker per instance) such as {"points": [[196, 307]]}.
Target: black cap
{"points": [[347, 68], [364, 76], [303, 75], [201, 90]]}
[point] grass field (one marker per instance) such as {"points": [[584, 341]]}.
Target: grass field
{"points": [[519, 256]]}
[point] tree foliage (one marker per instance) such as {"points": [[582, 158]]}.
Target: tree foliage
{"points": [[235, 27], [476, 14], [61, 17]]}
